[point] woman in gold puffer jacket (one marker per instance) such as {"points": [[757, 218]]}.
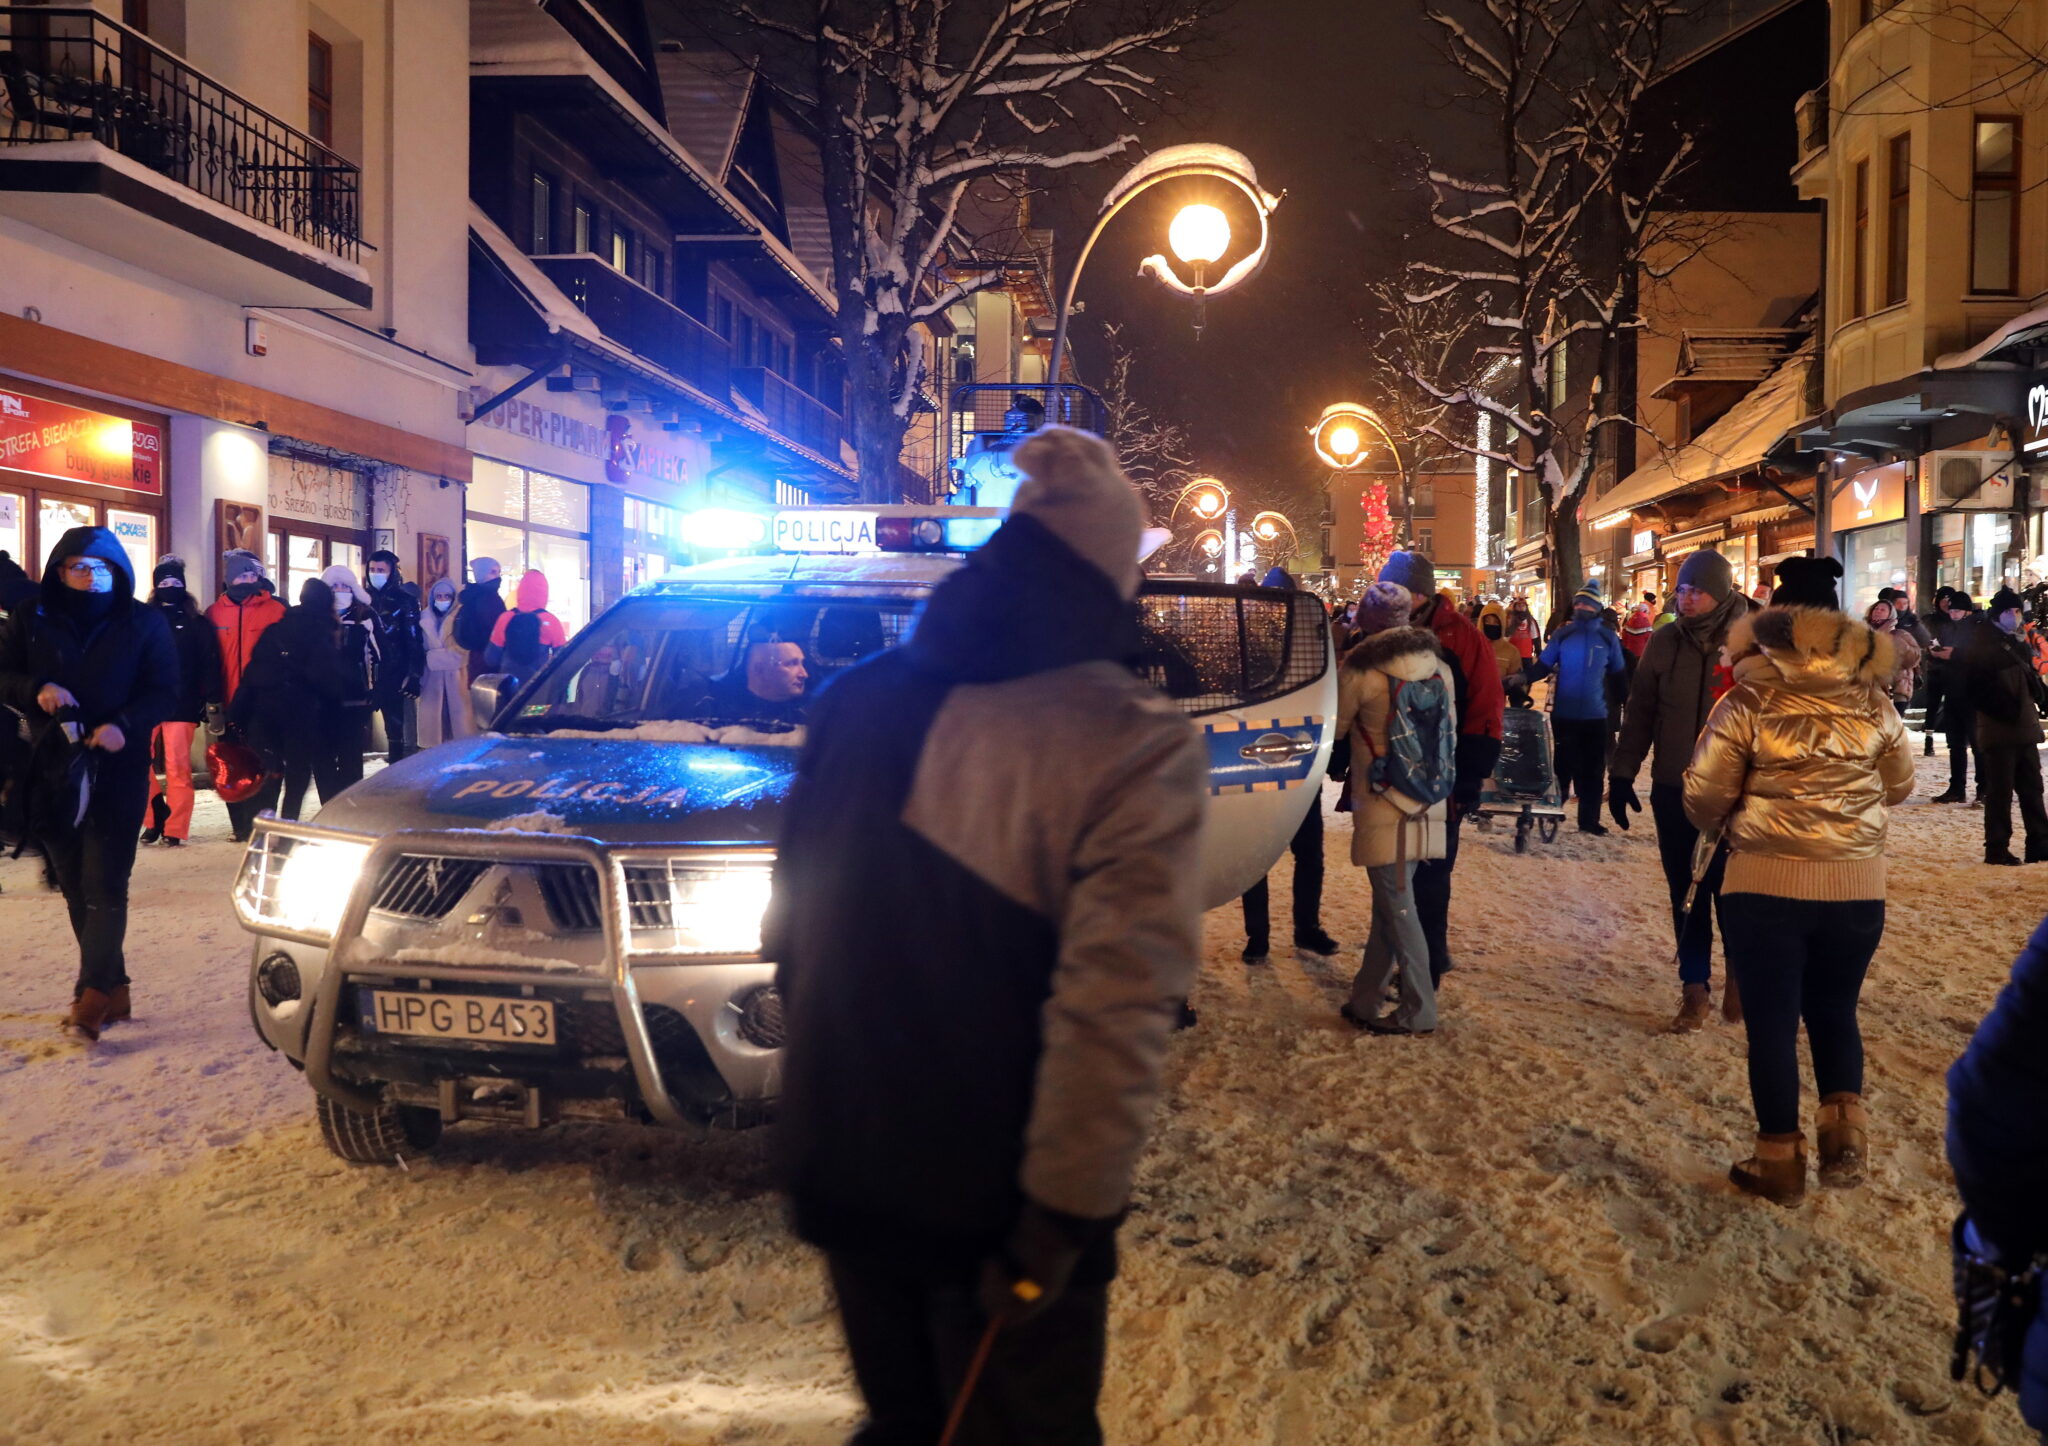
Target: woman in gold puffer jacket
{"points": [[1798, 768]]}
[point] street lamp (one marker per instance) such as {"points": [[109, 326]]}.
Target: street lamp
{"points": [[1205, 497], [1341, 436], [1268, 526], [1199, 234]]}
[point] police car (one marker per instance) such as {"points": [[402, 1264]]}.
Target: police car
{"points": [[560, 919]]}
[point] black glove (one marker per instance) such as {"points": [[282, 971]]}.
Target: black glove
{"points": [[1621, 800], [1032, 1269], [411, 688], [1477, 754]]}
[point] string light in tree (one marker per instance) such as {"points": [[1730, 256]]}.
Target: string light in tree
{"points": [[1379, 529]]}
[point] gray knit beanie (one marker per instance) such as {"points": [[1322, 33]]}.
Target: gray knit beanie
{"points": [[1073, 485], [1709, 572]]}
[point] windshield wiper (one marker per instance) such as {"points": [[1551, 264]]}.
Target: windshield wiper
{"points": [[584, 722]]}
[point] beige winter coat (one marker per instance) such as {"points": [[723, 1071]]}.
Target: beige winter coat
{"points": [[1387, 827]]}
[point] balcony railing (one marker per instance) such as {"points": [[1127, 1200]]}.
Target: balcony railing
{"points": [[71, 74], [643, 322], [791, 411], [994, 408]]}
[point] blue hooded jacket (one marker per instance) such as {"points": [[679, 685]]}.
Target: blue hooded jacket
{"points": [[1998, 1139], [1583, 655]]}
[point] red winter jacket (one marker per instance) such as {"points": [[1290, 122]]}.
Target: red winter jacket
{"points": [[238, 626], [1484, 700], [531, 596]]}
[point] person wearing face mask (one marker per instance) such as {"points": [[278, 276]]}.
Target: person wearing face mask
{"points": [[239, 616], [404, 653], [1680, 678], [88, 655], [1584, 655], [478, 608], [345, 734], [444, 702], [1493, 625], [1958, 711], [296, 688], [1995, 673], [170, 808]]}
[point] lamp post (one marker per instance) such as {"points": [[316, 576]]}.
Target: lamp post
{"points": [[1199, 235], [1341, 439], [1267, 527], [1209, 501]]}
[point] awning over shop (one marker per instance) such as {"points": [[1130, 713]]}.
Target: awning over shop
{"points": [[1739, 440], [2015, 341]]}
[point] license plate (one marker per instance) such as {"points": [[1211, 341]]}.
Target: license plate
{"points": [[485, 1018]]}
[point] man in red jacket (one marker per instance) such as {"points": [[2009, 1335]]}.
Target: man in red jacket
{"points": [[1481, 702], [239, 616]]}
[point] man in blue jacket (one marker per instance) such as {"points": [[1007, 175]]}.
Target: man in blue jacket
{"points": [[1583, 654], [1998, 1141]]}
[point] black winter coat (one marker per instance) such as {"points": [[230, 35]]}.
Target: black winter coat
{"points": [[402, 654], [123, 669], [198, 645], [298, 676], [477, 613]]}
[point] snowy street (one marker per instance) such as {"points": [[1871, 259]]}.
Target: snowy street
{"points": [[1515, 1231]]}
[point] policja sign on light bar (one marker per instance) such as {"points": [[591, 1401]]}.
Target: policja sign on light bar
{"points": [[824, 531]]}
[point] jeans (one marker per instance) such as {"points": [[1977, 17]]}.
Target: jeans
{"points": [[2003, 770], [1433, 902], [176, 741], [1797, 959], [1675, 840], [1396, 942], [92, 866], [1582, 762], [912, 1328], [1307, 848]]}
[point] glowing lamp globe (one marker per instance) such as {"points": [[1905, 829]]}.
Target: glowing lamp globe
{"points": [[1209, 503], [1344, 441], [1199, 235]]}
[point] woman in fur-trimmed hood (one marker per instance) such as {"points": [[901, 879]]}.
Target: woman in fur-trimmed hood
{"points": [[1798, 768]]}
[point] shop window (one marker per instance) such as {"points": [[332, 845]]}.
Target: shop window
{"points": [[136, 532], [1898, 219], [319, 89], [14, 530], [552, 502], [1859, 243], [543, 216], [581, 229], [1994, 207], [56, 516]]}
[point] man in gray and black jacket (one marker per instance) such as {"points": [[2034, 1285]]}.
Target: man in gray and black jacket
{"points": [[1674, 689], [986, 911]]}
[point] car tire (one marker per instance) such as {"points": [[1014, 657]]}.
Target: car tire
{"points": [[377, 1137]]}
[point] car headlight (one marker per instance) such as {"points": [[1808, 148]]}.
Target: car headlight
{"points": [[686, 906], [298, 885]]}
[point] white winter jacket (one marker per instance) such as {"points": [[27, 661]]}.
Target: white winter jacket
{"points": [[1387, 827]]}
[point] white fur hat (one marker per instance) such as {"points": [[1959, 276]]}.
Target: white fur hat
{"points": [[1074, 486]]}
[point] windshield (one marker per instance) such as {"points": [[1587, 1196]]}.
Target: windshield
{"points": [[712, 663]]}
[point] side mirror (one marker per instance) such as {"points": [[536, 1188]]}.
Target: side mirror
{"points": [[487, 696]]}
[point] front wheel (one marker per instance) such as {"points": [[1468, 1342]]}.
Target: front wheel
{"points": [[380, 1136]]}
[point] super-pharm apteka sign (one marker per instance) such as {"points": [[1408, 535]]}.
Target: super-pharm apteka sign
{"points": [[49, 439]]}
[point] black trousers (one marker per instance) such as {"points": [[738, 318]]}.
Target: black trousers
{"points": [[92, 867], [1959, 724], [401, 738], [912, 1333], [1797, 959], [1433, 902], [1307, 848], [1582, 761], [1676, 838], [2005, 770]]}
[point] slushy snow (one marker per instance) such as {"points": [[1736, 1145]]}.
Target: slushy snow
{"points": [[1517, 1231]]}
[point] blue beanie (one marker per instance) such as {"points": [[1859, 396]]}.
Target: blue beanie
{"points": [[1411, 570]]}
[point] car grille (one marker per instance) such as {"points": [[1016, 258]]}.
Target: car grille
{"points": [[425, 886], [572, 895], [650, 896]]}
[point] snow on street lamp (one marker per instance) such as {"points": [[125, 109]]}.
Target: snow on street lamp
{"points": [[1205, 497], [1269, 527], [1199, 235], [1341, 438]]}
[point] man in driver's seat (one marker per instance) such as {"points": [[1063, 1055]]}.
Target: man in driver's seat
{"points": [[767, 687]]}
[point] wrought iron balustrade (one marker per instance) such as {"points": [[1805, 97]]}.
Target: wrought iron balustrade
{"points": [[70, 74]]}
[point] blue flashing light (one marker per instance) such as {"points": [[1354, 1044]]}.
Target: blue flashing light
{"points": [[723, 529], [964, 534]]}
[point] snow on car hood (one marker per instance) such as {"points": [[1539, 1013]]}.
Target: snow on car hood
{"points": [[625, 790]]}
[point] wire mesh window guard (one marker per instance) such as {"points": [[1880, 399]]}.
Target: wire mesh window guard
{"points": [[73, 74], [1210, 648]]}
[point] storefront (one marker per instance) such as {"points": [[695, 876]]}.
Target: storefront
{"points": [[72, 461], [533, 521], [1867, 523], [653, 540], [319, 517]]}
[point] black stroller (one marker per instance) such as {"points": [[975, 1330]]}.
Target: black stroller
{"points": [[1524, 782]]}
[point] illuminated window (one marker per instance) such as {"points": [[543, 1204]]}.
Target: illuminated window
{"points": [[1994, 207]]}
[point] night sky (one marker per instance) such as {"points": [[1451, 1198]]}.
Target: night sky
{"points": [[1331, 100]]}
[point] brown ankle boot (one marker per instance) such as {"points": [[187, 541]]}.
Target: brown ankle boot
{"points": [[1777, 1171], [1695, 1008], [118, 1006], [1843, 1145], [1731, 1000], [88, 1015]]}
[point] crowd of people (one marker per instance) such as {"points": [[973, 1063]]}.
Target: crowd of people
{"points": [[111, 690]]}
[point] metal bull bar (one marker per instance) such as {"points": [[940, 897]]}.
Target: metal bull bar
{"points": [[536, 848]]}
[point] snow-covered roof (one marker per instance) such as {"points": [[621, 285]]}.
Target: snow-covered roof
{"points": [[705, 94], [2032, 321], [1734, 443]]}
